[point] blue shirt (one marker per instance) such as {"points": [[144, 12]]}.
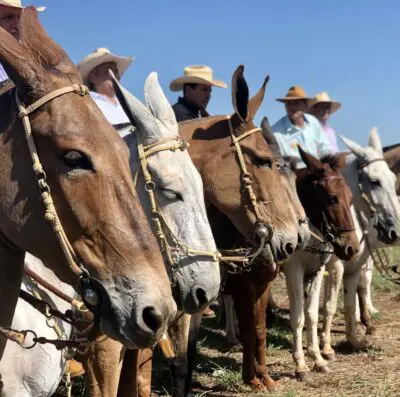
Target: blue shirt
{"points": [[311, 138]]}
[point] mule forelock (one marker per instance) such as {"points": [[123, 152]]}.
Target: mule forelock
{"points": [[332, 160]]}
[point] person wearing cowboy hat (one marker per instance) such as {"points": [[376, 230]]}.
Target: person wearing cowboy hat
{"points": [[94, 70], [322, 106], [196, 84], [299, 128], [10, 12]]}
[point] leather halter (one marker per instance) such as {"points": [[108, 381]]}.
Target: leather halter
{"points": [[329, 231], [261, 229], [91, 290], [362, 164], [173, 248]]}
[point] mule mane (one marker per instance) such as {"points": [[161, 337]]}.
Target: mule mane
{"points": [[332, 160], [390, 147], [207, 121]]}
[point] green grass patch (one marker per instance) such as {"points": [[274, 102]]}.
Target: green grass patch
{"points": [[227, 379]]}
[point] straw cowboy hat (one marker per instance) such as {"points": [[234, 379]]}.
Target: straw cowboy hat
{"points": [[17, 4], [294, 94], [98, 57], [196, 74], [323, 97]]}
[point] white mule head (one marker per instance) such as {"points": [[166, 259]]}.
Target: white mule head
{"points": [[377, 181], [179, 194]]}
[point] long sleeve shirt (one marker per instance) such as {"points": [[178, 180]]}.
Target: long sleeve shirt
{"points": [[311, 138]]}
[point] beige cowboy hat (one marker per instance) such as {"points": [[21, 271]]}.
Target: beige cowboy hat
{"points": [[323, 97], [17, 4], [294, 94], [196, 74], [98, 57]]}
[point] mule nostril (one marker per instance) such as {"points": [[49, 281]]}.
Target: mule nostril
{"points": [[393, 236], [289, 248], [300, 238], [152, 318], [201, 296], [349, 251]]}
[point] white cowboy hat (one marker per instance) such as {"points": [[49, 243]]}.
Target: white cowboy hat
{"points": [[323, 97], [196, 74], [98, 57], [17, 4]]}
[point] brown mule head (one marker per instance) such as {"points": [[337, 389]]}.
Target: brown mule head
{"points": [[88, 172], [327, 200], [216, 157], [287, 167]]}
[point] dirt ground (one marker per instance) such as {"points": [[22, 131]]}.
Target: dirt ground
{"points": [[374, 372]]}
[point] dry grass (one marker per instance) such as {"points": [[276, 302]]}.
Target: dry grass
{"points": [[370, 373]]}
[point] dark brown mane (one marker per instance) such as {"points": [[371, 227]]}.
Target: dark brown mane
{"points": [[332, 160]]}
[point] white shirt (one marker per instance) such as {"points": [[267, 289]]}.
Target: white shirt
{"points": [[113, 112]]}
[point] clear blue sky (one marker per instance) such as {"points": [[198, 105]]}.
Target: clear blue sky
{"points": [[348, 48]]}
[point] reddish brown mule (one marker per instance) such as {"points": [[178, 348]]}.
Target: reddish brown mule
{"points": [[327, 201], [88, 173], [233, 220]]}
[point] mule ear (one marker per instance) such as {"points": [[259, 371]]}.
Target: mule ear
{"points": [[137, 113], [240, 94], [269, 136], [45, 51], [18, 63], [354, 147], [374, 140], [157, 102], [256, 101], [311, 162]]}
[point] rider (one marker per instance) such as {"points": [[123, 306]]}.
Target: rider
{"points": [[94, 70], [10, 12], [196, 84], [299, 128], [322, 106]]}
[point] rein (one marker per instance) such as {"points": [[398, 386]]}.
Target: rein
{"points": [[93, 293], [176, 250]]}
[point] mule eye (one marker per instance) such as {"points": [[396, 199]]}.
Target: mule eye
{"points": [[171, 194], [77, 160], [375, 182], [264, 162], [332, 200]]}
